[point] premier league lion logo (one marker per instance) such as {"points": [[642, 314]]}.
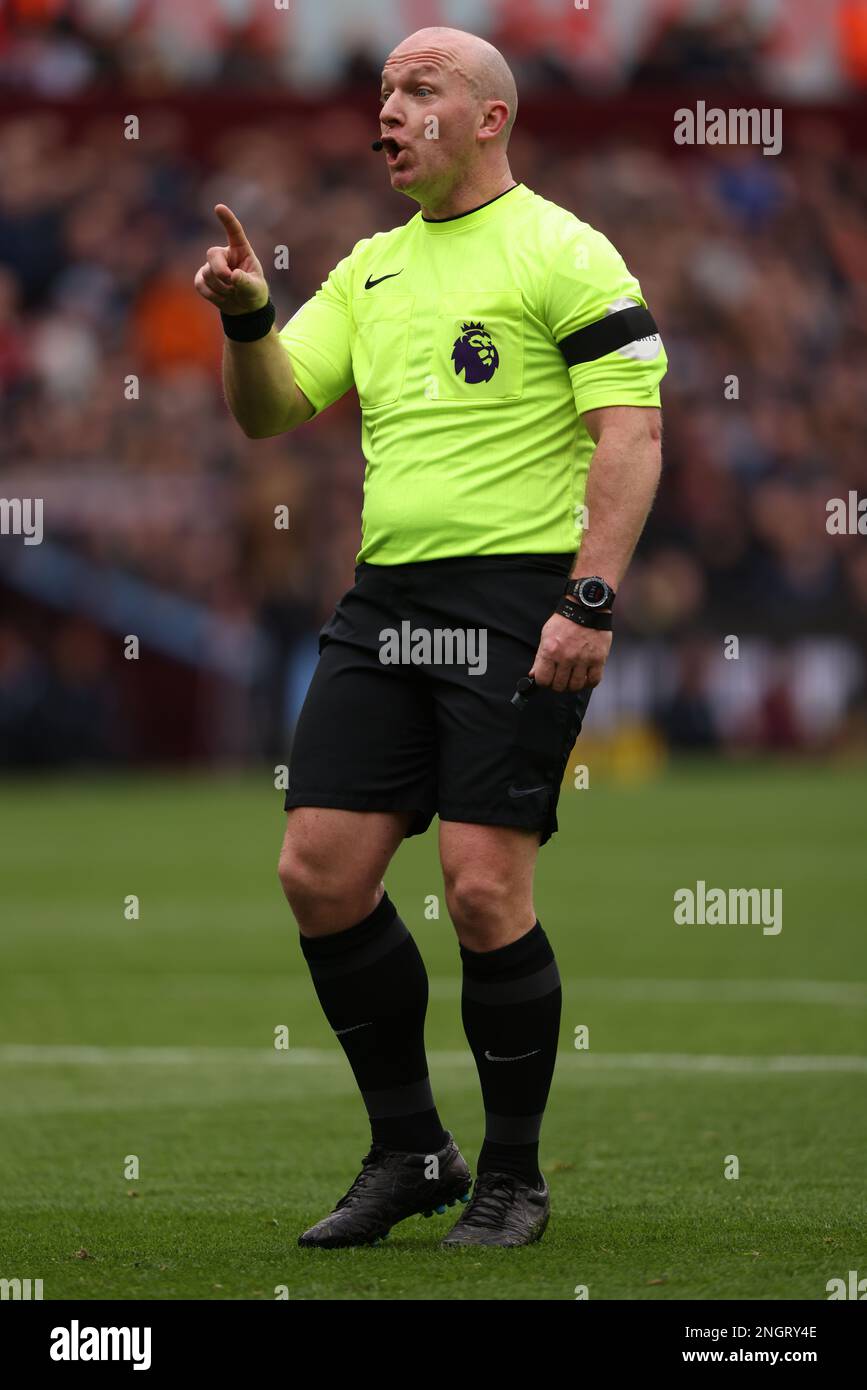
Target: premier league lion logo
{"points": [[474, 354]]}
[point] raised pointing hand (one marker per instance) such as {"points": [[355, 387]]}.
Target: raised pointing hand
{"points": [[232, 278]]}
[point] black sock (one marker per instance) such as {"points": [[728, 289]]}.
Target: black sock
{"points": [[511, 1012], [372, 986]]}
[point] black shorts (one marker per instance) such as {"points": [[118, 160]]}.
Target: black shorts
{"points": [[438, 733]]}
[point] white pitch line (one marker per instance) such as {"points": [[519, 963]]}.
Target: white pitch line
{"points": [[727, 991], [707, 1062], [12, 1054], [833, 992]]}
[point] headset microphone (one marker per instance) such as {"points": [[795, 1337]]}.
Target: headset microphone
{"points": [[377, 146]]}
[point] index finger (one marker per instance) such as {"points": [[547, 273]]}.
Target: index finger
{"points": [[542, 670], [234, 231]]}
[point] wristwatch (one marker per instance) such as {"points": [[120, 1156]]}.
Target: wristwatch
{"points": [[592, 593]]}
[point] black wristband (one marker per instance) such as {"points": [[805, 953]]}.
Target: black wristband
{"points": [[601, 622], [247, 328]]}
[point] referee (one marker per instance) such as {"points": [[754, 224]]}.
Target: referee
{"points": [[499, 347]]}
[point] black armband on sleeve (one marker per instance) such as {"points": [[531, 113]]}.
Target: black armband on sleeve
{"points": [[607, 335]]}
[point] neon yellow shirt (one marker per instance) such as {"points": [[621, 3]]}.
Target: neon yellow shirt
{"points": [[458, 337]]}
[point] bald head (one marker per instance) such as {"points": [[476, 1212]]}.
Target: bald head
{"points": [[479, 63]]}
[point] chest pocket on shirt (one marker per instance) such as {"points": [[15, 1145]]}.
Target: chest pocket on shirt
{"points": [[478, 356], [380, 345]]}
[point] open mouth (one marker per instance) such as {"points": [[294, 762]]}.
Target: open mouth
{"points": [[393, 150]]}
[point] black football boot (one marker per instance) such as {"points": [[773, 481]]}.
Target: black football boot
{"points": [[503, 1210], [390, 1187]]}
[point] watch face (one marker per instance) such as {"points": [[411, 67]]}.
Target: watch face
{"points": [[593, 592]]}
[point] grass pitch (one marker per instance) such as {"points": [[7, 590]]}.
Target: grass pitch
{"points": [[154, 1038]]}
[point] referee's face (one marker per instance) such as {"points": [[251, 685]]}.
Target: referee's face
{"points": [[429, 120]]}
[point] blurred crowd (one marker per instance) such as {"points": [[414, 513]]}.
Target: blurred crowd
{"points": [[59, 48], [755, 268]]}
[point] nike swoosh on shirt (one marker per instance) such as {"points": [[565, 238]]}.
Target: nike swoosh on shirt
{"points": [[526, 791], [370, 284], [338, 1031], [519, 1058]]}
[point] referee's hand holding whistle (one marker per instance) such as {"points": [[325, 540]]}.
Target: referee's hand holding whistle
{"points": [[570, 657], [232, 278]]}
